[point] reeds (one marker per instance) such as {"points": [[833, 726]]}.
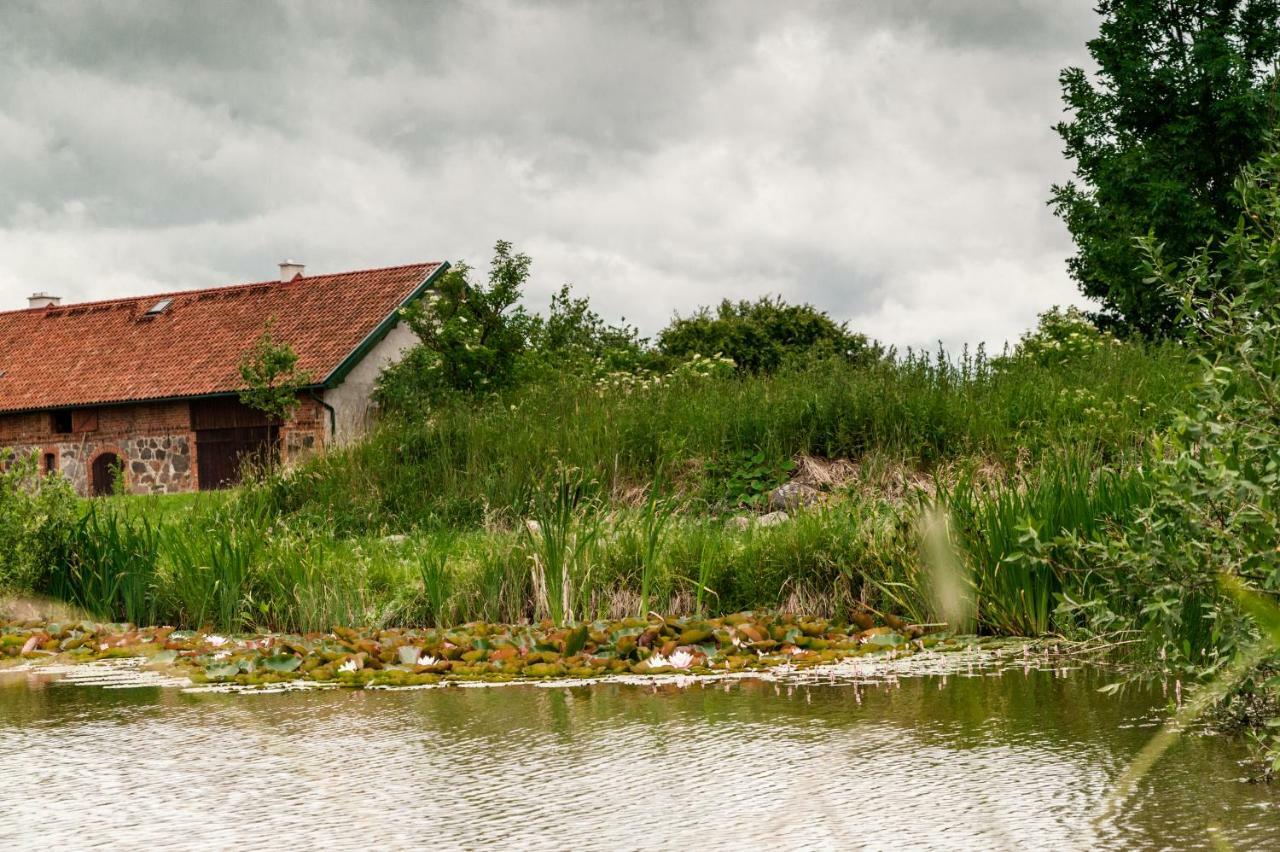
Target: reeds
{"points": [[225, 566], [1021, 538]]}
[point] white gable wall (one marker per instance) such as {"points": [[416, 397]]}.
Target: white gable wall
{"points": [[352, 400]]}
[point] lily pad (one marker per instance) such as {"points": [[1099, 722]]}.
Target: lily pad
{"points": [[575, 641], [283, 663], [220, 670], [886, 639]]}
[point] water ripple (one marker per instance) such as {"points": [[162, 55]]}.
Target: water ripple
{"points": [[1020, 760]]}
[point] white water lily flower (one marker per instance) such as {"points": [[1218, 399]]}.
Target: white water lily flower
{"points": [[681, 660], [658, 661], [427, 660], [216, 641], [222, 655], [348, 666]]}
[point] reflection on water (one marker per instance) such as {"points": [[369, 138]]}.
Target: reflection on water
{"points": [[1018, 760]]}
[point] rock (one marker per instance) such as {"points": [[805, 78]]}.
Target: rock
{"points": [[793, 495], [772, 519], [394, 538], [738, 522]]}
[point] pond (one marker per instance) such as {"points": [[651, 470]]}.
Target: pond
{"points": [[1013, 758]]}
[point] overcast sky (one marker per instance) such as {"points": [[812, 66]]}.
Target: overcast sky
{"points": [[887, 161]]}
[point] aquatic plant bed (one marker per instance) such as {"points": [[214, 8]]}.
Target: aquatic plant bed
{"points": [[471, 653]]}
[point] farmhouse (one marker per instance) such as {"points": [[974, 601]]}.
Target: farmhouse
{"points": [[148, 385]]}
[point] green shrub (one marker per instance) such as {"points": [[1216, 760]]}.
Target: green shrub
{"points": [[1216, 504], [37, 521], [761, 336], [1061, 336], [470, 336]]}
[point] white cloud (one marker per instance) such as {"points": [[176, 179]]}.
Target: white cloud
{"points": [[888, 163]]}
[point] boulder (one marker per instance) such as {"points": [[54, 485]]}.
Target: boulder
{"points": [[793, 495], [772, 519], [738, 522]]}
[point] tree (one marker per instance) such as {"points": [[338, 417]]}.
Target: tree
{"points": [[272, 378], [759, 336], [1182, 101], [471, 334], [1215, 509], [573, 336]]}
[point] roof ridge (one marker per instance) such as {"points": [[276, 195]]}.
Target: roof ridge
{"points": [[218, 289]]}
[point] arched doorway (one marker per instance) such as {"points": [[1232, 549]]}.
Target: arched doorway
{"points": [[102, 478]]}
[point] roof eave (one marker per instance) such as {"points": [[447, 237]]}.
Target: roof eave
{"points": [[141, 400], [373, 338]]}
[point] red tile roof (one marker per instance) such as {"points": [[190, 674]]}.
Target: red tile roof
{"points": [[110, 352]]}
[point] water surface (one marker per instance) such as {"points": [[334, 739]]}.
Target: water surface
{"points": [[1019, 759]]}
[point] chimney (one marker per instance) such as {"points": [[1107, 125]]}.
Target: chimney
{"points": [[290, 269], [43, 300]]}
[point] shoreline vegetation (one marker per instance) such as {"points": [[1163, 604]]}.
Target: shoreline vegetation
{"points": [[474, 652], [556, 470], [565, 499]]}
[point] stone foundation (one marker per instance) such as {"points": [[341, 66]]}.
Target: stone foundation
{"points": [[154, 441]]}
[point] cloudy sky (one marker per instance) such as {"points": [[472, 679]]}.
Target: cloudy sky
{"points": [[886, 160]]}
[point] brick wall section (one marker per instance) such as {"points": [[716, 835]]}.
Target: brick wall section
{"points": [[304, 435], [154, 441]]}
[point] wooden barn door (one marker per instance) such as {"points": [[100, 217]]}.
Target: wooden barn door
{"points": [[102, 478], [229, 435]]}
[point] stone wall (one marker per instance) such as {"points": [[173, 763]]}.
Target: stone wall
{"points": [[154, 441]]}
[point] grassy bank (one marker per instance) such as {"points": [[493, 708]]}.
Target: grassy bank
{"points": [[644, 495], [707, 437]]}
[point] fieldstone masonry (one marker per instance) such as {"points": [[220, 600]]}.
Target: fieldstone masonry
{"points": [[155, 444]]}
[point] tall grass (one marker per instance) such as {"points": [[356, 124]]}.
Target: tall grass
{"points": [[1059, 450], [229, 567], [1021, 539], [113, 566], [437, 582], [471, 464], [560, 537]]}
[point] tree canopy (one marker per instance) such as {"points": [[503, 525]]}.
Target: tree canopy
{"points": [[1181, 101], [759, 336]]}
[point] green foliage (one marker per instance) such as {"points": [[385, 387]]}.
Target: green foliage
{"points": [[433, 567], [1215, 498], [1022, 541], [761, 336], [470, 334], [272, 378], [1180, 103], [560, 539], [654, 518], [1061, 336], [573, 337], [745, 478], [37, 520], [111, 567], [476, 341], [473, 462]]}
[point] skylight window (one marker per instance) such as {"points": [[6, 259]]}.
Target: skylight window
{"points": [[159, 307]]}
